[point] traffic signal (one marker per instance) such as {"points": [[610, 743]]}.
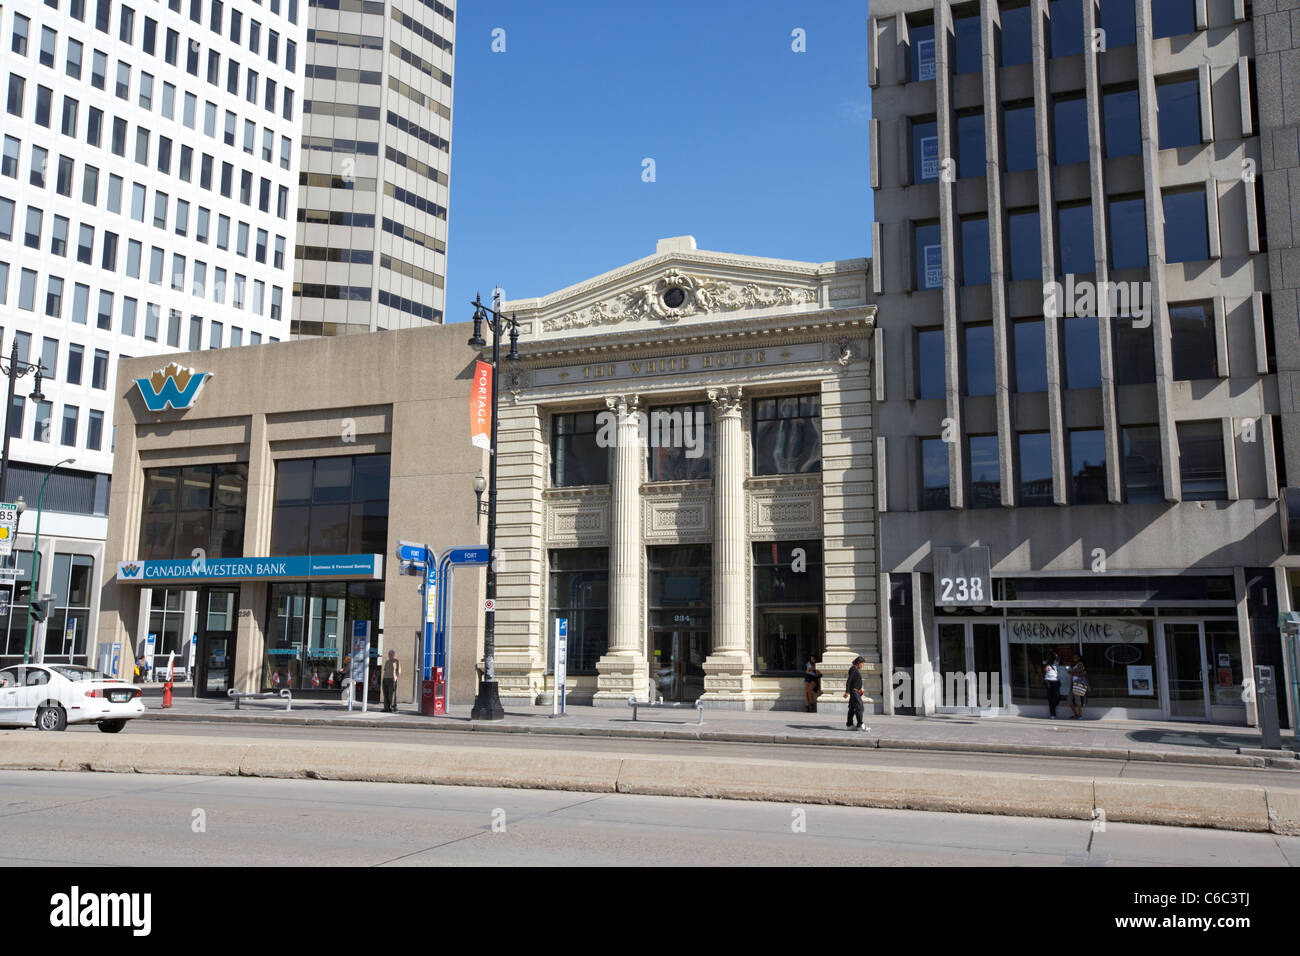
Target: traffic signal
{"points": [[41, 610]]}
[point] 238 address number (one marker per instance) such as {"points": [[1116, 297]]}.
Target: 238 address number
{"points": [[961, 590]]}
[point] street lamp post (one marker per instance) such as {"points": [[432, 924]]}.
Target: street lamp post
{"points": [[36, 556], [15, 370], [487, 705]]}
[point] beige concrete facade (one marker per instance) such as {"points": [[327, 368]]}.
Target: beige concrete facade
{"points": [[687, 326], [404, 393]]}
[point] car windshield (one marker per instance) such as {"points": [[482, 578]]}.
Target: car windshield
{"points": [[78, 673]]}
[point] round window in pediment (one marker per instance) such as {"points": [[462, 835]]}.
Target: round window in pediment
{"points": [[675, 297]]}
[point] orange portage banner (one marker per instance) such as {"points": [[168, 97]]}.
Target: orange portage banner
{"points": [[480, 406]]}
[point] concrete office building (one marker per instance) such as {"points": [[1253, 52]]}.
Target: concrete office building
{"points": [[1121, 457], [147, 201], [296, 471], [376, 153]]}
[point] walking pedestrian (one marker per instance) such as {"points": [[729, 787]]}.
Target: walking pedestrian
{"points": [[811, 675], [853, 692], [1052, 680], [1078, 688], [392, 671]]}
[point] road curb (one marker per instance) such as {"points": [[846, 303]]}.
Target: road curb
{"points": [[703, 734], [1220, 806]]}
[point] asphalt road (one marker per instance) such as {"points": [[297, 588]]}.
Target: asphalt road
{"points": [[1051, 766], [99, 819]]}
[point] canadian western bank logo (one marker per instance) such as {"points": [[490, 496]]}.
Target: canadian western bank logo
{"points": [[129, 570], [173, 387]]}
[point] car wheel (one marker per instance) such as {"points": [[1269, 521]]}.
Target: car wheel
{"points": [[111, 726], [51, 718]]}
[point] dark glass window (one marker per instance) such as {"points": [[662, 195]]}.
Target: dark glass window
{"points": [[577, 458], [985, 486], [1087, 448], [979, 359], [1082, 355], [197, 506], [787, 435], [1187, 235], [1025, 243], [1120, 23], [1171, 18], [1035, 464], [334, 505], [787, 605], [934, 474], [1135, 361], [679, 441], [1031, 355], [1128, 233], [922, 50], [1021, 141], [1067, 29], [929, 257], [1017, 35], [1143, 474], [579, 592], [970, 145], [1200, 461], [1178, 109], [925, 152], [1070, 125], [1123, 135], [975, 250], [967, 33], [929, 361], [1074, 222], [1192, 341]]}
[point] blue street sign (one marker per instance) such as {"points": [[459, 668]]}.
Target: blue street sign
{"points": [[410, 551], [468, 555], [431, 575]]}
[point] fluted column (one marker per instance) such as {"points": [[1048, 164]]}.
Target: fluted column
{"points": [[623, 671], [728, 670]]}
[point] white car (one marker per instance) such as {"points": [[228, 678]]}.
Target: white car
{"points": [[51, 696]]}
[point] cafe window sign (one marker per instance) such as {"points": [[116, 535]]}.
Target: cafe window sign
{"points": [[1076, 631]]}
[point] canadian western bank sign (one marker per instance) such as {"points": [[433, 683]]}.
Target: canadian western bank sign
{"points": [[173, 386], [295, 568]]}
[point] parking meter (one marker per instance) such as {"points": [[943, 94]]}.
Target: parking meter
{"points": [[1266, 705]]}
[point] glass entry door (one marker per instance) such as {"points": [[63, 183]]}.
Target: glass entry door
{"points": [[969, 661], [1189, 694], [678, 663], [217, 633]]}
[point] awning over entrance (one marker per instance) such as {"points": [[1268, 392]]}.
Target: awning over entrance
{"points": [[316, 567]]}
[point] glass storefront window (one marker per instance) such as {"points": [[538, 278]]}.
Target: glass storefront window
{"points": [[1119, 654], [787, 605], [166, 621], [308, 645], [1223, 662], [69, 623], [579, 592]]}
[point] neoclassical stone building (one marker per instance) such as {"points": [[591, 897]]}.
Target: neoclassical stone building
{"points": [[686, 477]]}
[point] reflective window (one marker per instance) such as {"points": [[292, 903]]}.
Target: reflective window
{"points": [[975, 250], [985, 486], [979, 359], [970, 145], [576, 457], [1017, 35], [787, 435], [1025, 244], [967, 31], [1070, 119], [1135, 361], [1128, 233], [1193, 341], [787, 605], [1178, 108], [921, 42], [934, 474], [1121, 131], [1074, 223], [1201, 462], [1066, 28], [929, 359], [1029, 337], [928, 255], [1187, 237], [1082, 353], [331, 505], [1119, 21], [1171, 18], [579, 593], [1087, 466], [679, 440], [1143, 473], [925, 152], [1035, 465]]}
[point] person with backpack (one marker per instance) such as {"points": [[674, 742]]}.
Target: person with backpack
{"points": [[853, 691], [1078, 688]]}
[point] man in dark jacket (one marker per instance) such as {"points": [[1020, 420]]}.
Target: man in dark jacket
{"points": [[853, 691]]}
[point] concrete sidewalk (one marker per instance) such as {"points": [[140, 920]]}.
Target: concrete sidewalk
{"points": [[1195, 743]]}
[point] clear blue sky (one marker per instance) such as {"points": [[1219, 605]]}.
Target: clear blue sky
{"points": [[758, 149]]}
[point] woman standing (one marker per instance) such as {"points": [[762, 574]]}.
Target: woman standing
{"points": [[1052, 680], [811, 675], [1079, 688]]}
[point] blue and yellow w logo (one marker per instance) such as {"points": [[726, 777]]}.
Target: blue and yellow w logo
{"points": [[171, 386]]}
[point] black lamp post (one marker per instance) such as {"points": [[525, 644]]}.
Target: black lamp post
{"points": [[487, 705], [15, 370]]}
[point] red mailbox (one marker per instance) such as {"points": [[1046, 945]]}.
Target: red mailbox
{"points": [[433, 695]]}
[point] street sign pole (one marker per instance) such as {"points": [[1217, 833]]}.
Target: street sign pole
{"points": [[561, 666]]}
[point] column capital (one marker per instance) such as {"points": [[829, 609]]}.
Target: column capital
{"points": [[726, 399], [623, 404]]}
